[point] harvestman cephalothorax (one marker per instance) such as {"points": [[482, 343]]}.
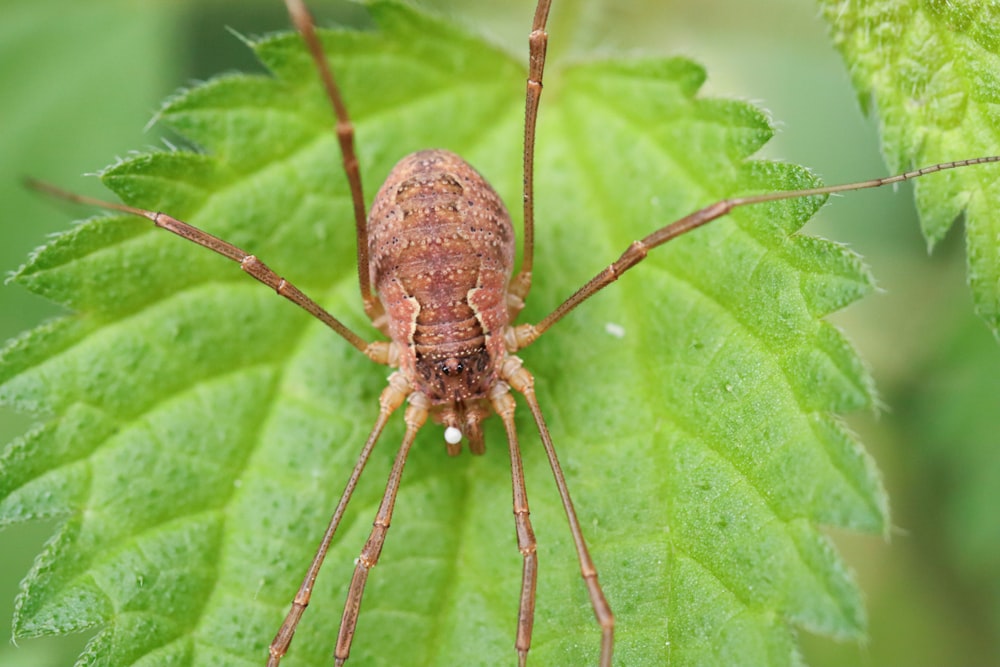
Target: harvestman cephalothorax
{"points": [[435, 269]]}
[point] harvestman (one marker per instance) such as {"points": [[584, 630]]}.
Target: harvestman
{"points": [[438, 248]]}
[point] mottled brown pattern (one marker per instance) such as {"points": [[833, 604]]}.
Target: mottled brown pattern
{"points": [[441, 248]]}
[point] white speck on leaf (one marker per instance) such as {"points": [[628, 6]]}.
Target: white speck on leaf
{"points": [[613, 329]]}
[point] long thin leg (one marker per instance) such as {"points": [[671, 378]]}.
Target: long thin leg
{"points": [[416, 415], [537, 43], [522, 381], [525, 334], [345, 137], [247, 262], [503, 402], [392, 397]]}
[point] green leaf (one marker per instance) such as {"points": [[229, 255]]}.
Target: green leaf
{"points": [[931, 71], [199, 429]]}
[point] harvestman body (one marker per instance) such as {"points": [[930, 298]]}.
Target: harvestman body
{"points": [[439, 250]]}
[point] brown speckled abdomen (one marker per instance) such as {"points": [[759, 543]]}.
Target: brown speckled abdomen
{"points": [[441, 247]]}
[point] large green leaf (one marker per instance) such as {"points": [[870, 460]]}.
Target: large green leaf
{"points": [[931, 69], [200, 429]]}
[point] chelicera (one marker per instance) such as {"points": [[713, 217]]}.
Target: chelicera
{"points": [[436, 275]]}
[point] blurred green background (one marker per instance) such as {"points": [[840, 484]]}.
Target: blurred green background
{"points": [[80, 81]]}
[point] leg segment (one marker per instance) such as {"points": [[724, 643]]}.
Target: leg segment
{"points": [[416, 415], [525, 334], [504, 404], [392, 397], [345, 137], [522, 381], [537, 43], [249, 263]]}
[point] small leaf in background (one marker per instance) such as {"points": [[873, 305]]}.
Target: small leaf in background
{"points": [[930, 71]]}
